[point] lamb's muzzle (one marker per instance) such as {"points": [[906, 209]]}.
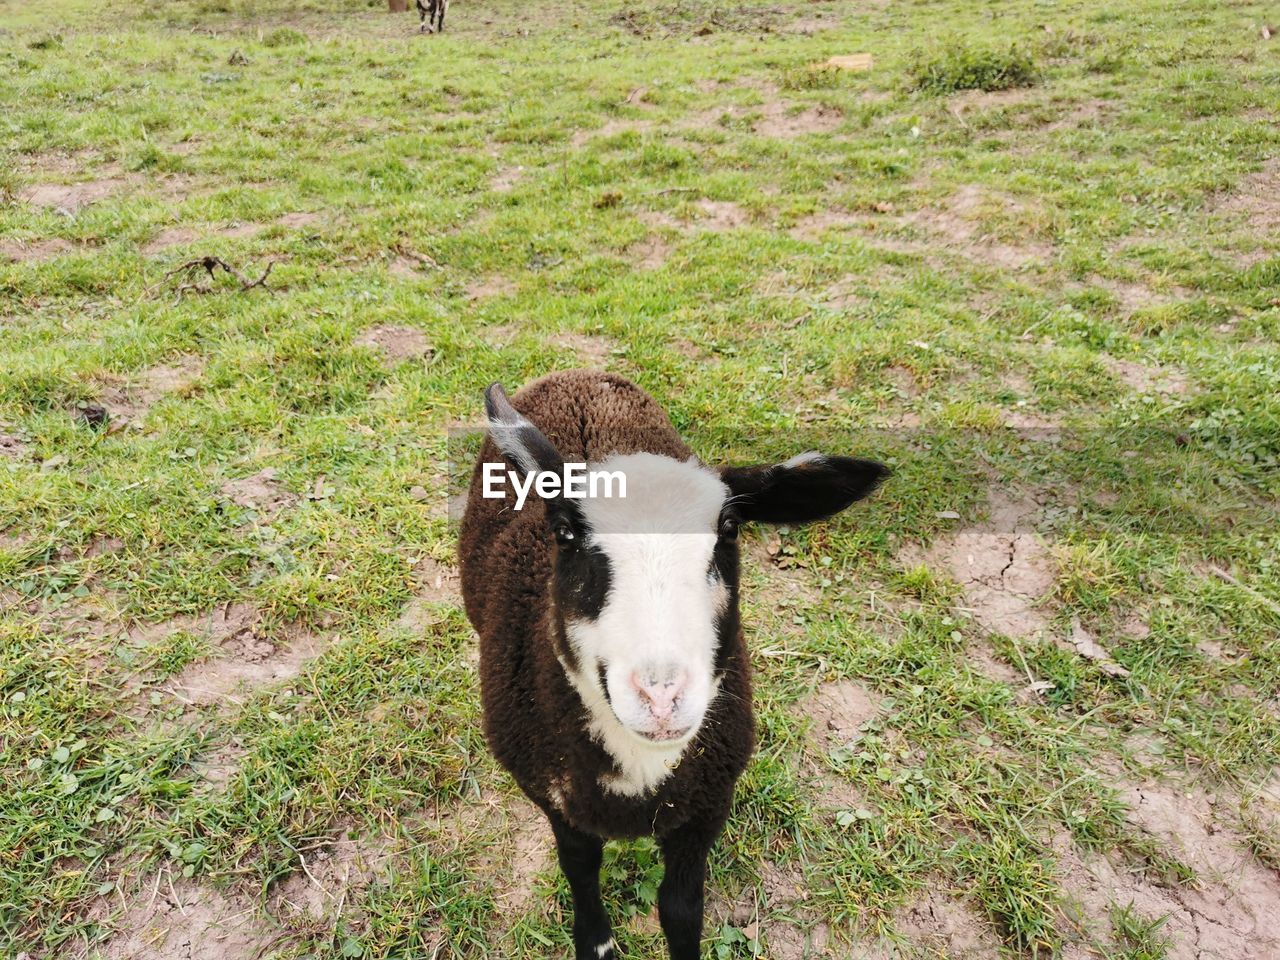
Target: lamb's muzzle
{"points": [[614, 675]]}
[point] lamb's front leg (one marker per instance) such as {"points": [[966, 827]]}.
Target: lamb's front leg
{"points": [[580, 856], [684, 854]]}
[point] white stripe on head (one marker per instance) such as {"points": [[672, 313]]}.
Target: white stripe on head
{"points": [[512, 440], [519, 440]]}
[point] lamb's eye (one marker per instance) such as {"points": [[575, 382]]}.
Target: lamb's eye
{"points": [[564, 533], [728, 529]]}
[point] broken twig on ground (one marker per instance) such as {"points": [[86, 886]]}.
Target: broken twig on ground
{"points": [[211, 265], [1261, 598]]}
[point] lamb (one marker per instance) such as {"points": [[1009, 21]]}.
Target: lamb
{"points": [[614, 675], [431, 15]]}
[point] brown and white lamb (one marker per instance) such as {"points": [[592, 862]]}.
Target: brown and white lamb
{"points": [[614, 676]]}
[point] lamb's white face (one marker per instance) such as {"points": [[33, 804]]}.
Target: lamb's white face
{"points": [[649, 652]]}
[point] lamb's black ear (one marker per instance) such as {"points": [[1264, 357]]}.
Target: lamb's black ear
{"points": [[811, 486], [523, 444]]}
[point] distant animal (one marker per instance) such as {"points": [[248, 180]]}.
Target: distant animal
{"points": [[614, 674], [431, 15]]}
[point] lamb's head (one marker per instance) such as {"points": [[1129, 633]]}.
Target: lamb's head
{"points": [[645, 579]]}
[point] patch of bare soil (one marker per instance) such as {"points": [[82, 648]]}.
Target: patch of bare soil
{"points": [[259, 492], [781, 122], [903, 380], [12, 447], [523, 847], [396, 343], [1083, 642], [991, 99], [650, 253], [241, 229], [592, 350], [327, 878], [500, 335], [1085, 113], [71, 198], [215, 770], [939, 922], [1256, 201], [716, 216], [813, 226], [1133, 296], [778, 586], [786, 927], [169, 917], [957, 223], [693, 351], [171, 237], [495, 286], [808, 26], [53, 163], [1144, 379], [610, 128], [243, 657], [246, 662], [402, 266], [839, 710], [1002, 565], [130, 401], [437, 584], [659, 219], [532, 849], [33, 251], [181, 235], [505, 180], [847, 293], [721, 215], [302, 218], [1022, 419], [985, 662], [1229, 914]]}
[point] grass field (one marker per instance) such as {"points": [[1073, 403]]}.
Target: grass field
{"points": [[1023, 703]]}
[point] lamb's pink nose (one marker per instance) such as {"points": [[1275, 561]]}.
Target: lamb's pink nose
{"points": [[660, 691]]}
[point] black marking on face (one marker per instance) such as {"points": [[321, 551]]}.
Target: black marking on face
{"points": [[604, 685], [560, 640], [724, 567], [582, 576]]}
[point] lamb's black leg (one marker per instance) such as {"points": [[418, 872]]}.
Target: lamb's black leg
{"points": [[442, 7], [684, 853], [580, 856]]}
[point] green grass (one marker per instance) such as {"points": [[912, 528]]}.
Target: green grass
{"points": [[962, 67], [906, 273]]}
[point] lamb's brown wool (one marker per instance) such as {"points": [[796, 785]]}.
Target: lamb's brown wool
{"points": [[613, 670], [534, 719]]}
